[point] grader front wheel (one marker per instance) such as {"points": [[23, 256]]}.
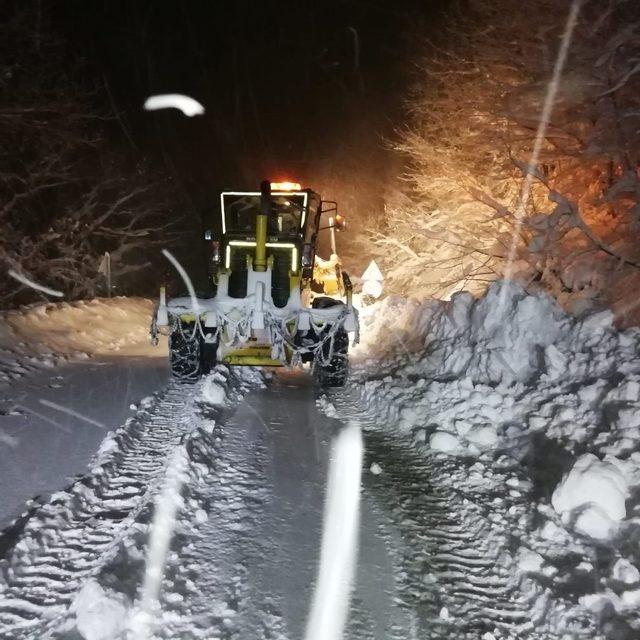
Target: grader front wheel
{"points": [[333, 373], [185, 353]]}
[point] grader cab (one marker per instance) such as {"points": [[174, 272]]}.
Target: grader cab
{"points": [[276, 302]]}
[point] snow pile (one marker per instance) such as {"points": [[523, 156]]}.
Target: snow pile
{"points": [[43, 335], [511, 376], [592, 496], [490, 340], [212, 390], [470, 375], [100, 613]]}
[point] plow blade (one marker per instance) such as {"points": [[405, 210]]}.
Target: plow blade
{"points": [[252, 356]]}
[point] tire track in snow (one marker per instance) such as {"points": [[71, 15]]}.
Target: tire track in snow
{"points": [[236, 575], [68, 539], [226, 535], [458, 573], [207, 592], [246, 569]]}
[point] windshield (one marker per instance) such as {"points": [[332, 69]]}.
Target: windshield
{"points": [[240, 210]]}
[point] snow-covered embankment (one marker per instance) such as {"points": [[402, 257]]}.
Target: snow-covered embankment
{"points": [[69, 372], [43, 335], [483, 382]]}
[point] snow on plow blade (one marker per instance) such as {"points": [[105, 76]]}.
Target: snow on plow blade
{"points": [[252, 330]]}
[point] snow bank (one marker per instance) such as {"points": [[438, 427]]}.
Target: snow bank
{"points": [[512, 379], [482, 339], [95, 326], [467, 375], [49, 333]]}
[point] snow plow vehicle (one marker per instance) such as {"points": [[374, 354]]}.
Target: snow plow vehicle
{"points": [[275, 302]]}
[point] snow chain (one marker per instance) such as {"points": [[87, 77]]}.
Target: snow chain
{"points": [[281, 336]]}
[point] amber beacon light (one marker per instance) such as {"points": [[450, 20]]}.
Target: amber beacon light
{"points": [[286, 186]]}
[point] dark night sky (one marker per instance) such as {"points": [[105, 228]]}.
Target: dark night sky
{"points": [[283, 89], [287, 93]]}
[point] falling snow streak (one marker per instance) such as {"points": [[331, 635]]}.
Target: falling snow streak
{"points": [[70, 412], [167, 504], [195, 307], [68, 539], [187, 105], [34, 285], [339, 539], [532, 166]]}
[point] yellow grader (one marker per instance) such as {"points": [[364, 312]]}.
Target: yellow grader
{"points": [[276, 303]]}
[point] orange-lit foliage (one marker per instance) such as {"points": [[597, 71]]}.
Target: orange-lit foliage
{"points": [[474, 113]]}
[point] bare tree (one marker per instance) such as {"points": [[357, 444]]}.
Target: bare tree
{"points": [[67, 194]]}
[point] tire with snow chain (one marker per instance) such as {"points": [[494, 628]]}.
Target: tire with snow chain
{"points": [[334, 372], [208, 355], [185, 353]]}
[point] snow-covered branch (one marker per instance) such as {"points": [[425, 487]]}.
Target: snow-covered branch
{"points": [[475, 110]]}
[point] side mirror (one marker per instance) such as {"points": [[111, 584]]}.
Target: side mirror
{"points": [[340, 222]]}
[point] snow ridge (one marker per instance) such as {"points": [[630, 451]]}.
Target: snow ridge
{"points": [[45, 335], [71, 537], [208, 588], [527, 401], [457, 573]]}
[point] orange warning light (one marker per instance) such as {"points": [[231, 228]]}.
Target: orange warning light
{"points": [[286, 186]]}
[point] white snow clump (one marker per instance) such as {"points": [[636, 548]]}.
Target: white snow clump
{"points": [[625, 572], [100, 613], [592, 496], [212, 392]]}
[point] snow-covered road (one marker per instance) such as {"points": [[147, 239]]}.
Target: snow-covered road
{"points": [[500, 489], [246, 545], [434, 558], [53, 421], [256, 554]]}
